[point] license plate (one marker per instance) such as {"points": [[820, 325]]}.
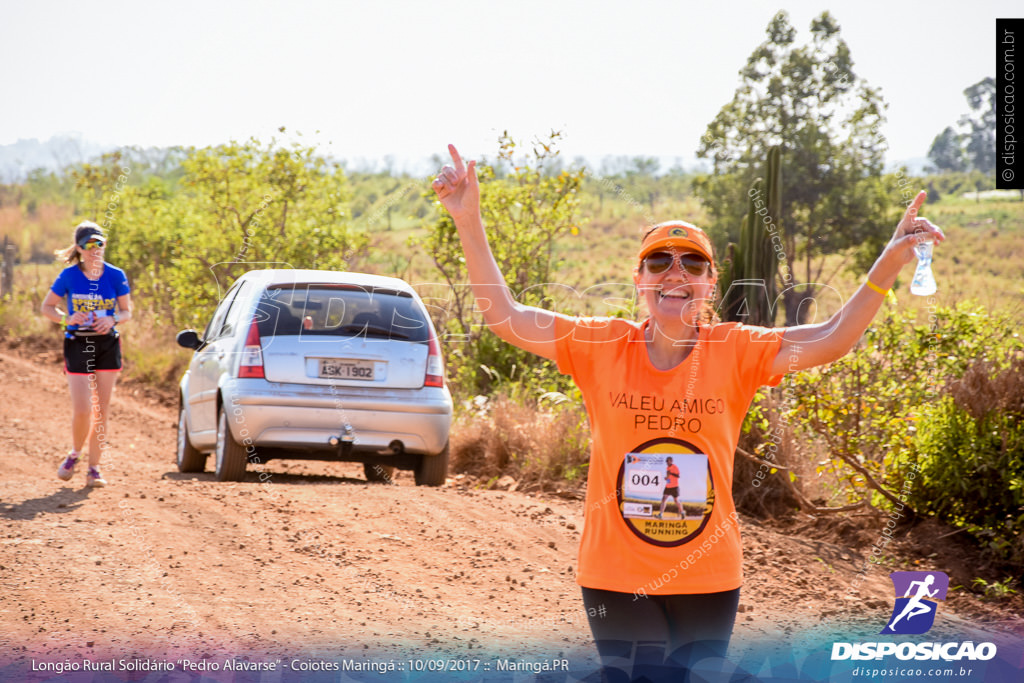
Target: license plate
{"points": [[331, 368]]}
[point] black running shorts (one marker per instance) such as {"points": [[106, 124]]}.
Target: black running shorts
{"points": [[86, 355]]}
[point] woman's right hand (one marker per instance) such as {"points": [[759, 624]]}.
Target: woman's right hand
{"points": [[78, 318], [529, 328], [457, 187]]}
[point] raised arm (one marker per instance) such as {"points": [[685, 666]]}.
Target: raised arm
{"points": [[528, 327], [806, 346]]}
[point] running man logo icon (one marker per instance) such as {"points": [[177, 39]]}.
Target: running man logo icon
{"points": [[917, 596]]}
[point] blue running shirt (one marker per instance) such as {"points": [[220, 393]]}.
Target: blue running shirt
{"points": [[98, 297]]}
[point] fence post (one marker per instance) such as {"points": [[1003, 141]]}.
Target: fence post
{"points": [[7, 275]]}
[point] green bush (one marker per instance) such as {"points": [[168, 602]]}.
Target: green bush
{"points": [[235, 208], [867, 407]]}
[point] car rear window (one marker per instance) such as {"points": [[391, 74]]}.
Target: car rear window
{"points": [[342, 310]]}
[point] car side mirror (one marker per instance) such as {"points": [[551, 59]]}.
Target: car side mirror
{"points": [[189, 339]]}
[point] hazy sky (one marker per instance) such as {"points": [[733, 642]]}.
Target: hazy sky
{"points": [[404, 78]]}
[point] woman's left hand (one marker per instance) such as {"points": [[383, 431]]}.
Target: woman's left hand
{"points": [[913, 230], [104, 324]]}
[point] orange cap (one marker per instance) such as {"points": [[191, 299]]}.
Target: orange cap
{"points": [[678, 235]]}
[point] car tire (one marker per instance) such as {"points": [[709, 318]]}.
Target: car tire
{"points": [[231, 458], [433, 469], [379, 474], [189, 459]]}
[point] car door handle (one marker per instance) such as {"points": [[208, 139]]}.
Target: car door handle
{"points": [[220, 355]]}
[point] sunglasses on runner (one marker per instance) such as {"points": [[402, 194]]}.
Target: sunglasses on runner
{"points": [[94, 244], [691, 263]]}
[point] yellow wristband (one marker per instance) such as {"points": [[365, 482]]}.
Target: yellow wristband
{"points": [[875, 287]]}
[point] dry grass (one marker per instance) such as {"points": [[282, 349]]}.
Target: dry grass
{"points": [[539, 447], [19, 314], [756, 490], [986, 388], [151, 354], [36, 235]]}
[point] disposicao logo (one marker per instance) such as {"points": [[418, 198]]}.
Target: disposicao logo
{"points": [[917, 596]]}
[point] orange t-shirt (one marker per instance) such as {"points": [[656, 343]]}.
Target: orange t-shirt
{"points": [[672, 476], [640, 415]]}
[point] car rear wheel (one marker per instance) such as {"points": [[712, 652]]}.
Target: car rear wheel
{"points": [[230, 456], [384, 474], [433, 469], [189, 459]]}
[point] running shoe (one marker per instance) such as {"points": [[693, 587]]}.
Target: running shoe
{"points": [[67, 468], [94, 478]]}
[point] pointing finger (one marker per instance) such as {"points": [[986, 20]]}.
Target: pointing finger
{"points": [[460, 168], [915, 206]]}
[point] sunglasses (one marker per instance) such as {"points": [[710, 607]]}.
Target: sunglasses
{"points": [[94, 244], [692, 264]]}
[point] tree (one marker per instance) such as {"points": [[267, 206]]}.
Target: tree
{"points": [[237, 207], [94, 182], [947, 153], [643, 177], [973, 146], [807, 100], [980, 125]]}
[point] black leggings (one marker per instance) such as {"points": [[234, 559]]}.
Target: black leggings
{"points": [[659, 636]]}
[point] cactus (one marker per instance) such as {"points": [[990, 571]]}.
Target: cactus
{"points": [[748, 279]]}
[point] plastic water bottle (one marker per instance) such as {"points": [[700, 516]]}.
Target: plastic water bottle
{"points": [[924, 281]]}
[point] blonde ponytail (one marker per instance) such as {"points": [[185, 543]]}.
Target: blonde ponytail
{"points": [[68, 255]]}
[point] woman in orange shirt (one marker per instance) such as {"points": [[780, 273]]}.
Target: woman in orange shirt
{"points": [[676, 385]]}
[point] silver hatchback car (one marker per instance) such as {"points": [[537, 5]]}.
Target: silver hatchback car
{"points": [[316, 365]]}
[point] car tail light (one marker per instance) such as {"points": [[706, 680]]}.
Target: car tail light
{"points": [[435, 366], [251, 364]]}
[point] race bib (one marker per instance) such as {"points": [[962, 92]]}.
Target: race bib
{"points": [[665, 491]]}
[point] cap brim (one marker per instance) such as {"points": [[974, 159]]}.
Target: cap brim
{"points": [[677, 244]]}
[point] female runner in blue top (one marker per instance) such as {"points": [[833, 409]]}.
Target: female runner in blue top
{"points": [[95, 297]]}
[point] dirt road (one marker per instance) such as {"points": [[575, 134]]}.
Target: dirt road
{"points": [[312, 561]]}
